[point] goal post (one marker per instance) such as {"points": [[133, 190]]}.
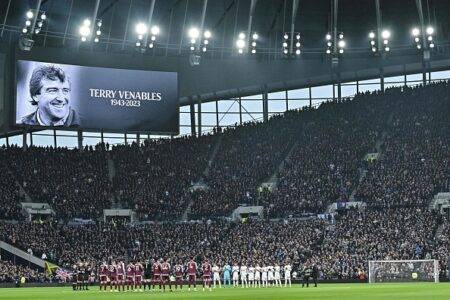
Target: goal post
{"points": [[425, 270]]}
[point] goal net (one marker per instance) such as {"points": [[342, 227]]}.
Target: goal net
{"points": [[403, 270]]}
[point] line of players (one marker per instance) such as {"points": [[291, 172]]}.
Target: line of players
{"points": [[131, 277]]}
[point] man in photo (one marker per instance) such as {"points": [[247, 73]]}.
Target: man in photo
{"points": [[50, 91]]}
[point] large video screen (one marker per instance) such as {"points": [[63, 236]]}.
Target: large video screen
{"points": [[92, 98]]}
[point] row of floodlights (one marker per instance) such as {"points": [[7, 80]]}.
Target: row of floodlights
{"points": [[194, 34], [32, 16]]}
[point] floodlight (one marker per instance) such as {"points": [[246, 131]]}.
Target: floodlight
{"points": [[298, 36], [37, 30], [297, 44], [341, 51], [430, 30], [341, 36], [141, 29], [192, 48], [153, 38], [204, 49], [40, 24], [30, 14], [193, 41], [341, 44], [372, 35], [430, 38], [193, 33], [285, 51], [285, 44], [98, 32], [253, 44], [241, 35], [96, 40], [24, 30], [386, 34], [205, 42], [207, 34], [387, 49], [329, 44], [253, 51], [416, 39], [85, 31], [43, 16], [415, 31], [154, 30], [99, 24], [328, 36], [27, 23], [297, 51], [372, 43], [240, 44], [87, 22], [328, 51], [240, 51], [285, 36], [138, 44], [150, 45], [374, 49], [255, 36], [431, 45]]}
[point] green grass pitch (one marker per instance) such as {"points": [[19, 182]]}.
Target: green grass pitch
{"points": [[406, 291]]}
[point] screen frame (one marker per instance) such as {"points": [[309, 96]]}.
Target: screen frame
{"points": [[33, 128]]}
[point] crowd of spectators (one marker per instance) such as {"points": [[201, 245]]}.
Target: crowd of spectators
{"points": [[12, 273], [10, 196], [415, 156], [73, 182], [155, 178]]}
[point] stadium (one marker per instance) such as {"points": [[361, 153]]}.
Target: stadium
{"points": [[224, 149]]}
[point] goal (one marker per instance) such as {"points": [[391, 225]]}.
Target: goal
{"points": [[403, 270]]}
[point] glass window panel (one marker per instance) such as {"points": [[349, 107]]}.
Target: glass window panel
{"points": [[256, 117], [440, 75], [228, 105], [228, 119], [414, 79], [277, 105], [209, 107], [298, 94], [348, 89], [90, 141], [185, 109], [252, 106], [16, 140], [253, 97], [185, 118], [369, 85], [67, 141], [185, 130], [209, 119], [396, 79], [277, 95], [43, 138], [66, 132], [323, 92], [297, 104]]}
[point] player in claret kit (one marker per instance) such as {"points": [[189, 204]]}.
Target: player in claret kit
{"points": [[112, 276], [138, 272], [156, 278], [130, 276], [121, 275], [206, 267], [165, 274], [179, 270], [103, 272], [192, 273]]}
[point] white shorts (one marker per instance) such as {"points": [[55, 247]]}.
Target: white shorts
{"points": [[235, 276], [216, 276], [270, 275], [243, 276], [264, 276], [277, 275], [251, 276], [257, 276]]}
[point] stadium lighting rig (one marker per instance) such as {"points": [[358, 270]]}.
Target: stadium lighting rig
{"points": [[34, 21], [340, 44], [143, 36], [423, 42], [241, 43], [296, 49], [380, 45], [195, 36]]}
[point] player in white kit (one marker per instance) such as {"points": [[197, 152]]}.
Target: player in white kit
{"points": [[270, 276], [264, 276], [257, 276], [287, 275], [244, 282], [277, 275], [216, 275], [235, 271], [251, 275]]}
